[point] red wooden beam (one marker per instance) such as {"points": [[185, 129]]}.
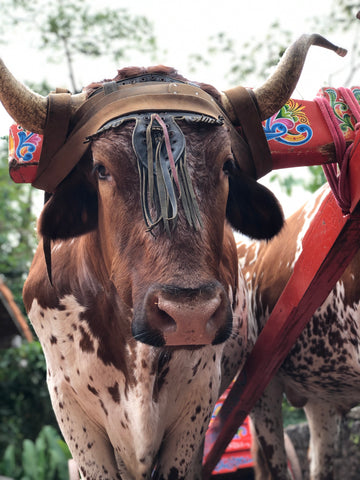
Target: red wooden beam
{"points": [[293, 148], [298, 134], [328, 247]]}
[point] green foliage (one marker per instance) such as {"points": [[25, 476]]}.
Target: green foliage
{"points": [[341, 18], [24, 399], [41, 87], [317, 178], [9, 464], [286, 183], [355, 438], [17, 228], [43, 459], [251, 62], [73, 28], [254, 57], [311, 184], [292, 415]]}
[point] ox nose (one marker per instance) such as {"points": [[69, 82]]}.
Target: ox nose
{"points": [[176, 316]]}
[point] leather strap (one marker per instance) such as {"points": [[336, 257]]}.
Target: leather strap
{"points": [[244, 113], [61, 157], [65, 135], [109, 87], [56, 129]]}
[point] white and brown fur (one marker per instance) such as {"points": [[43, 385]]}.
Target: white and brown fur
{"points": [[127, 409]]}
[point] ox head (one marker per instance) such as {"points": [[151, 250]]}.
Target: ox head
{"points": [[162, 172]]}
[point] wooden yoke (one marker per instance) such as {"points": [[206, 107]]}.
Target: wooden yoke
{"points": [[328, 247], [297, 136]]}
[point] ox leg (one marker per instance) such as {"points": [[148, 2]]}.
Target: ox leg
{"points": [[181, 457], [268, 448], [324, 424], [195, 470], [98, 462], [89, 445]]}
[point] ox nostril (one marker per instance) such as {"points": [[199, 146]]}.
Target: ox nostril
{"points": [[190, 322], [177, 316], [183, 312], [161, 319]]}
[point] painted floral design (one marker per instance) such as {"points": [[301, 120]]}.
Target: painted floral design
{"points": [[290, 125], [23, 144]]}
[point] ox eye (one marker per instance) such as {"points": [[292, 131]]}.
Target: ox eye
{"points": [[101, 172], [229, 166]]}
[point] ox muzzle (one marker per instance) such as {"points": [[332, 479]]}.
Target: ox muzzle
{"points": [[175, 316]]}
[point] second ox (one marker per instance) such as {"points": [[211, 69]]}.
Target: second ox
{"points": [[322, 371], [135, 291]]}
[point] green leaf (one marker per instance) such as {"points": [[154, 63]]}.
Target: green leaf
{"points": [[9, 464], [30, 460]]}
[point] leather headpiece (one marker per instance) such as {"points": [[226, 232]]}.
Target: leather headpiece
{"points": [[65, 134], [160, 148]]}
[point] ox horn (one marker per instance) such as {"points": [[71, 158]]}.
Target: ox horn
{"points": [[27, 108], [24, 106], [277, 89]]}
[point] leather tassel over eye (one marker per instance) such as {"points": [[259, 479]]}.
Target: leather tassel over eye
{"points": [[164, 178], [160, 148]]}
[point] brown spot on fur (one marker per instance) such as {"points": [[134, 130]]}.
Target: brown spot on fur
{"points": [[93, 390], [195, 368], [86, 344], [103, 407], [114, 392]]}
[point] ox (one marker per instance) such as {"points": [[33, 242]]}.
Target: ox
{"points": [[322, 371], [144, 319]]}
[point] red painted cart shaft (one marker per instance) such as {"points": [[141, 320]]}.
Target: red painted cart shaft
{"points": [[302, 151], [298, 134], [328, 247]]}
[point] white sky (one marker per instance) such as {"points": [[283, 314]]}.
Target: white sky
{"points": [[183, 28]]}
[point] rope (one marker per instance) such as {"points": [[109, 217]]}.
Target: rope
{"points": [[350, 99], [337, 173]]}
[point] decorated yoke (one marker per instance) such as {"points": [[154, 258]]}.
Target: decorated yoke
{"points": [[297, 134]]}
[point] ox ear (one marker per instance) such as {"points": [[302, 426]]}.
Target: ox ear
{"points": [[72, 210], [252, 209]]}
